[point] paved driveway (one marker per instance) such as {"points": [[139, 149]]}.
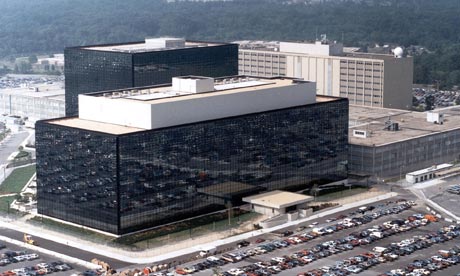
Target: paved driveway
{"points": [[10, 144]]}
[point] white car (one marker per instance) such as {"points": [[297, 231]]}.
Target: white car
{"points": [[235, 271], [31, 257], [260, 264], [276, 268], [20, 258], [354, 269], [279, 259], [307, 259], [212, 258], [437, 258], [237, 257]]}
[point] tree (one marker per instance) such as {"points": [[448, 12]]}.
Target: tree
{"points": [[33, 59], [22, 67], [429, 102], [314, 190]]}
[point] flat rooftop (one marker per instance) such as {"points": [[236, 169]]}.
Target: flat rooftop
{"points": [[115, 129], [431, 169], [76, 122], [160, 44], [411, 124], [208, 99], [167, 93], [273, 47], [53, 90], [278, 199]]}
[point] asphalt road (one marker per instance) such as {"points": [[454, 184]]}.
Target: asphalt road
{"points": [[63, 249], [10, 145]]}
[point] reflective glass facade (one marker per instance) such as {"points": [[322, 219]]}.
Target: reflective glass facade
{"points": [[78, 176], [95, 70], [143, 179]]}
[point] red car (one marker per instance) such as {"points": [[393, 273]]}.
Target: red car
{"points": [[181, 271]]}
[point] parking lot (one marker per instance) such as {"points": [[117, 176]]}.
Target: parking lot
{"points": [[440, 194], [418, 239], [17, 261]]}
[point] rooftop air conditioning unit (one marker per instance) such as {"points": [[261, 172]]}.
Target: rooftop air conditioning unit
{"points": [[435, 117]]}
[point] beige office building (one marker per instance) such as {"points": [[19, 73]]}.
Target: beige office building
{"points": [[365, 79]]}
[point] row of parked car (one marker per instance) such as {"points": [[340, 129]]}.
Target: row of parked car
{"points": [[443, 259], [316, 252], [9, 257], [455, 189], [359, 263], [38, 269]]}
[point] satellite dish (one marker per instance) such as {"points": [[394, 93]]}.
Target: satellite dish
{"points": [[398, 52]]}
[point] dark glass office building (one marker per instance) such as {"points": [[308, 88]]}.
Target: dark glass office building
{"points": [[107, 67], [127, 182]]}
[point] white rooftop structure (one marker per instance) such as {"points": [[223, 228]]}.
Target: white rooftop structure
{"points": [[151, 44], [193, 99], [278, 199], [426, 174], [431, 169], [320, 48]]}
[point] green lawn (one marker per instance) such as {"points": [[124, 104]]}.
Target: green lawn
{"points": [[195, 232], [70, 229], [16, 181], [4, 202]]}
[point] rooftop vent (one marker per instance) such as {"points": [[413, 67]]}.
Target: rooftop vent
{"points": [[193, 84], [164, 42], [390, 125], [435, 117]]}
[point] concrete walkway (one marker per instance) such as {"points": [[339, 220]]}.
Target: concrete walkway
{"points": [[353, 198], [157, 255]]}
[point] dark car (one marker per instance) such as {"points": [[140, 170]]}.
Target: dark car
{"points": [[243, 244]]}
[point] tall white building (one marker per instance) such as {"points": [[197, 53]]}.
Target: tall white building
{"points": [[365, 79]]}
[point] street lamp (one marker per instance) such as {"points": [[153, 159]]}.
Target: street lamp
{"points": [[400, 172]]}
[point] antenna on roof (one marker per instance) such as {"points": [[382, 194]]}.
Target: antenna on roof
{"points": [[316, 34]]}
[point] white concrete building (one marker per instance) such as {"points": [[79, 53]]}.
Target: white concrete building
{"points": [[426, 174], [201, 99], [365, 79], [277, 202], [37, 102]]}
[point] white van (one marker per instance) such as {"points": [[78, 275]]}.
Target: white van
{"points": [[207, 251], [379, 249]]}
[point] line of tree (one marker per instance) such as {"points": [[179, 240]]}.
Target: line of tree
{"points": [[45, 26]]}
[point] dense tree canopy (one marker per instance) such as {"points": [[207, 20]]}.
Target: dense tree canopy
{"points": [[45, 26]]}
